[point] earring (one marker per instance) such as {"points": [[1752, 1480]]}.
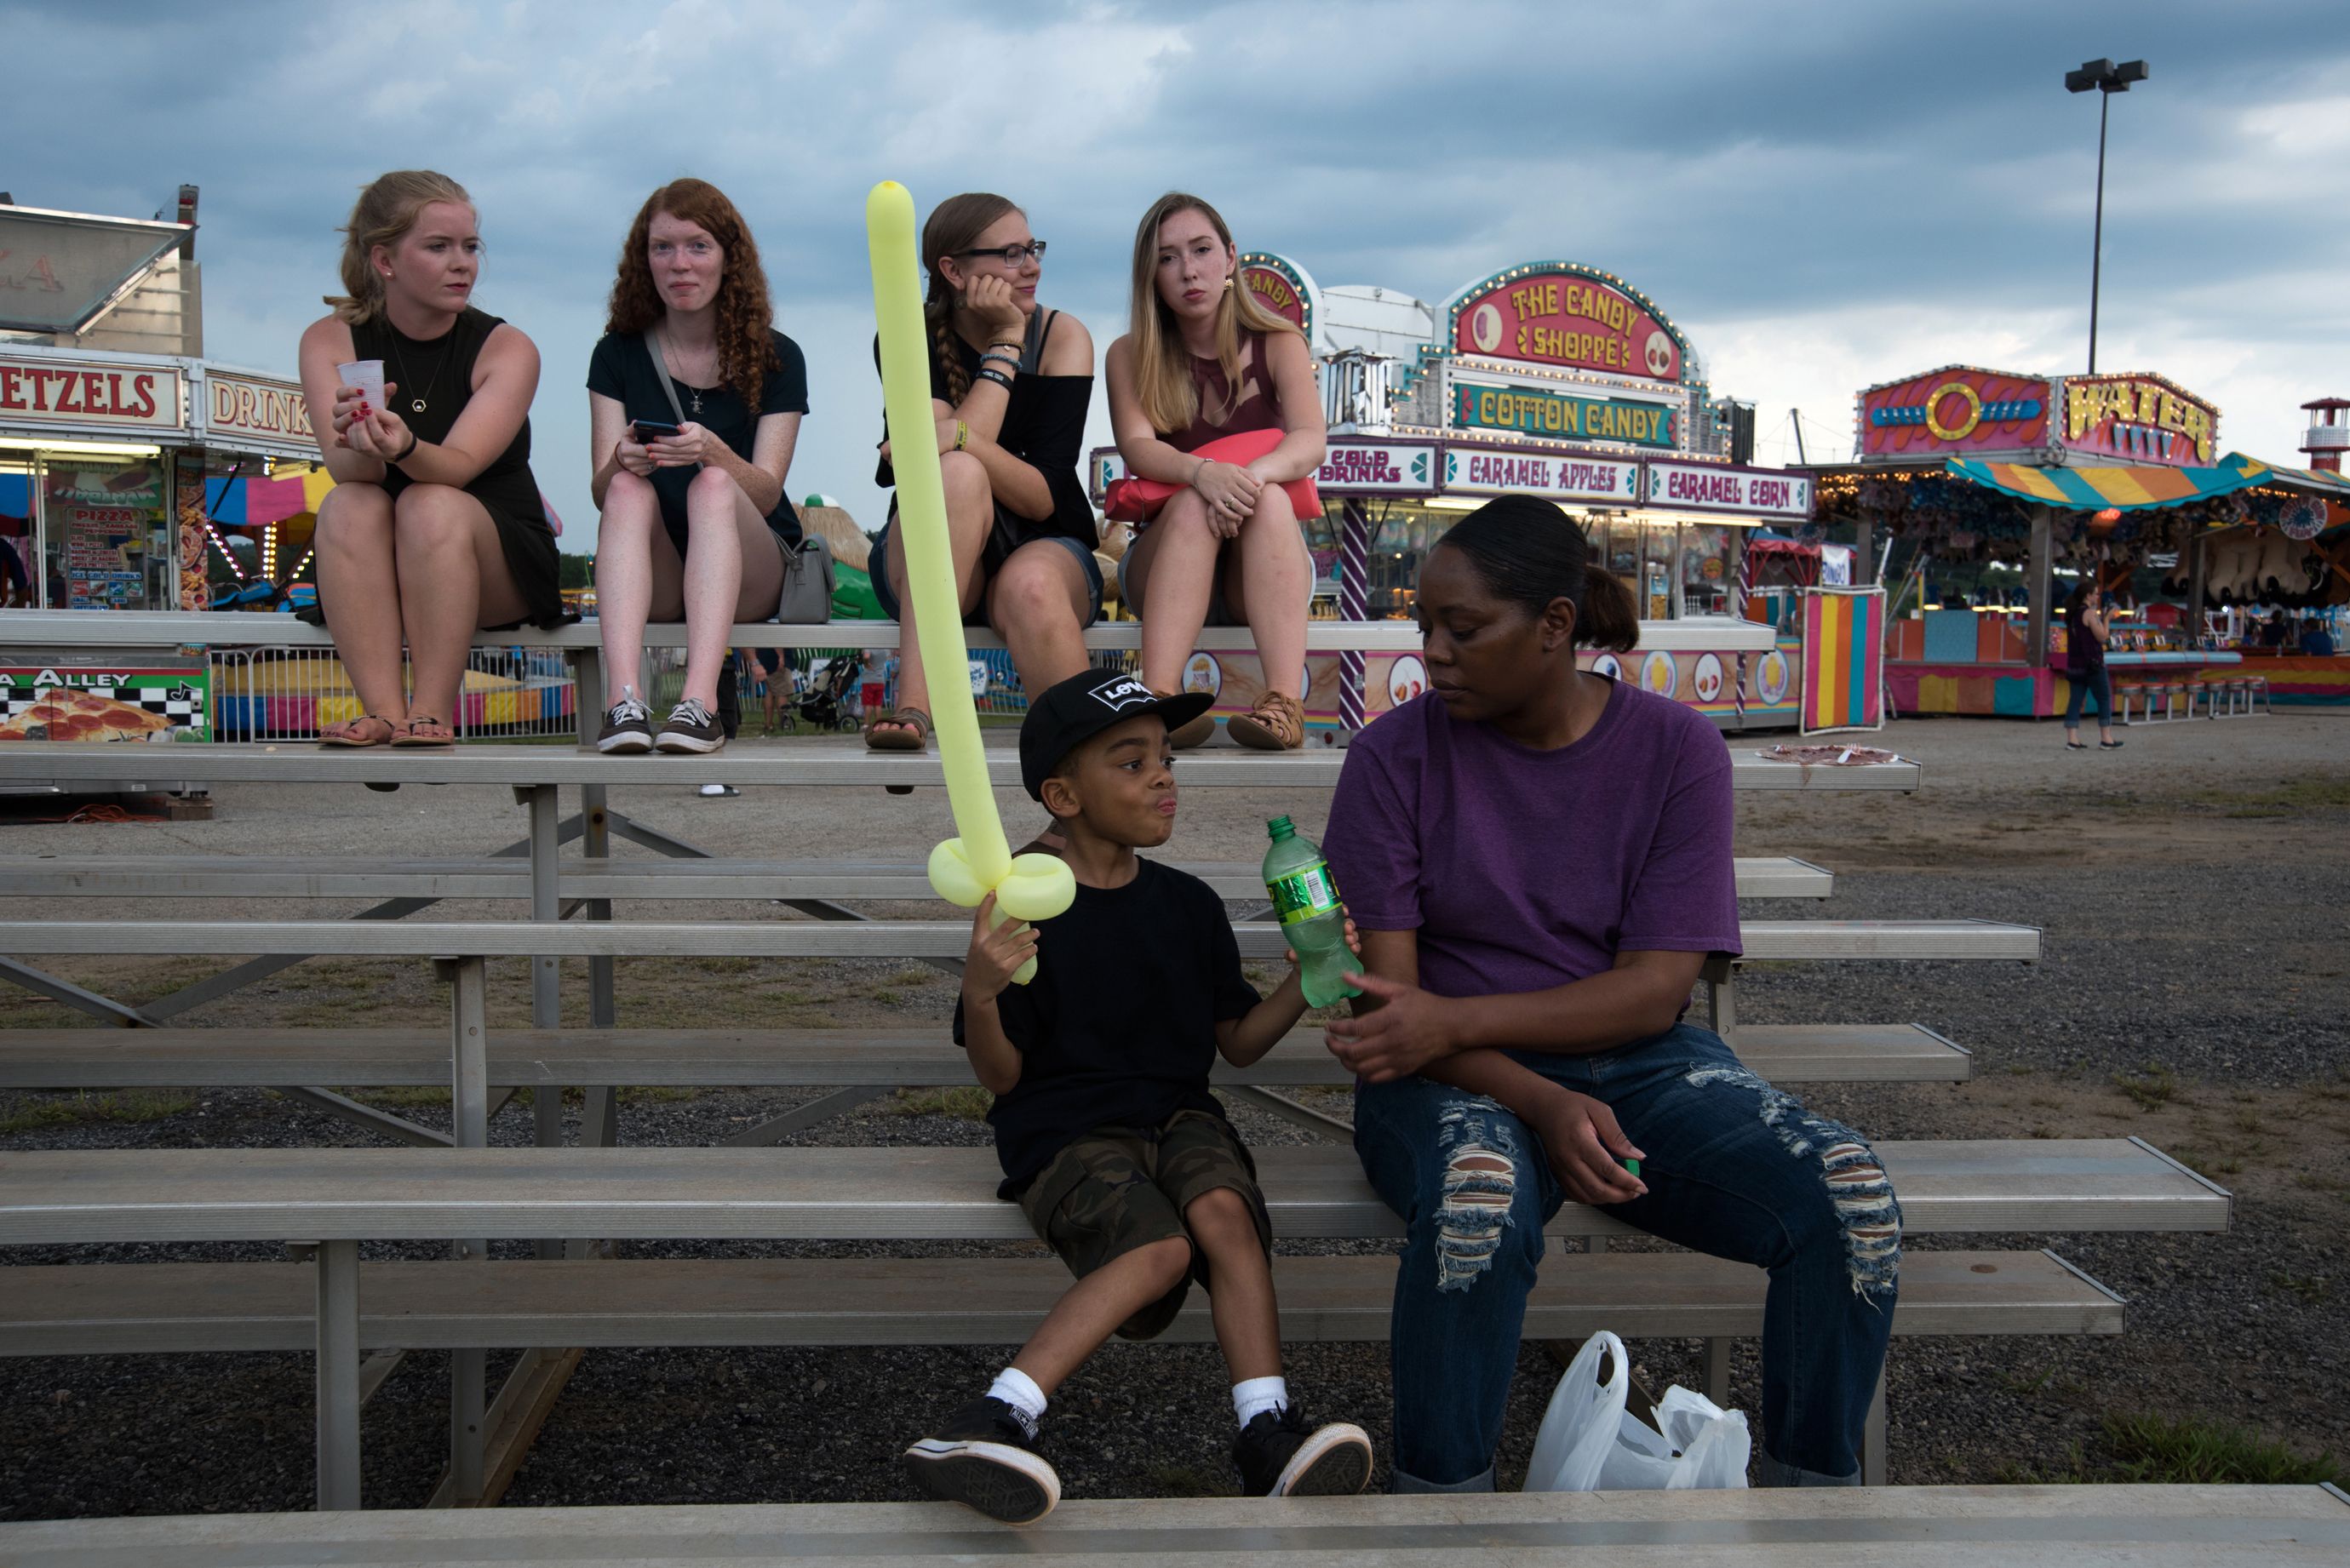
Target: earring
{"points": [[1228, 286]]}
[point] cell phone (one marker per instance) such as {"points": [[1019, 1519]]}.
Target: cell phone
{"points": [[652, 430]]}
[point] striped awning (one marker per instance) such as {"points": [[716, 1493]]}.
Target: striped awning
{"points": [[2129, 489]]}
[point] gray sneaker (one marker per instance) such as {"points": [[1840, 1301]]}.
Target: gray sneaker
{"points": [[689, 727], [628, 726]]}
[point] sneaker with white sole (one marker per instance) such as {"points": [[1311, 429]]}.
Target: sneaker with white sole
{"points": [[628, 726], [689, 727], [1280, 1455], [984, 1457]]}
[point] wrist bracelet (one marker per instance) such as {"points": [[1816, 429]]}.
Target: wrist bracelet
{"points": [[1000, 358], [1202, 468], [407, 451], [962, 434], [999, 377], [1015, 346]]}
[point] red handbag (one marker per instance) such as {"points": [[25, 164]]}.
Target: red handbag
{"points": [[1138, 499]]}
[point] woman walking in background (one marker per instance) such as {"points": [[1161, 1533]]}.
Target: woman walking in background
{"points": [[1213, 397], [435, 529], [694, 401], [2085, 634]]}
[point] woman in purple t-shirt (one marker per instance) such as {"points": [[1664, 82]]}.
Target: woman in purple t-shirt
{"points": [[1539, 859]]}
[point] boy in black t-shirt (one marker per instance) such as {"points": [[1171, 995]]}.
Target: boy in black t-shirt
{"points": [[1108, 1137]]}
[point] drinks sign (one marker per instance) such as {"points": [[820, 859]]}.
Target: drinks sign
{"points": [[1375, 468], [1571, 418], [257, 407], [1556, 313]]}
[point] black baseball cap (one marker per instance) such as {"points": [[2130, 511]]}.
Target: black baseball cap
{"points": [[1085, 705]]}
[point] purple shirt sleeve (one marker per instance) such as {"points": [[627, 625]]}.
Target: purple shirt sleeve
{"points": [[1685, 897], [1373, 842]]}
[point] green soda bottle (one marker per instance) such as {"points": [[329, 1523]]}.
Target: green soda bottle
{"points": [[1306, 899]]}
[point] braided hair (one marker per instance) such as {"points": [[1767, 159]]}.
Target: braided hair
{"points": [[954, 224]]}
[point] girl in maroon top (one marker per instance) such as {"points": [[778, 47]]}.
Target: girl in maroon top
{"points": [[1205, 364]]}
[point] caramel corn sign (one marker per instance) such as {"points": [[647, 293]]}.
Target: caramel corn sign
{"points": [[2139, 418], [1556, 313]]}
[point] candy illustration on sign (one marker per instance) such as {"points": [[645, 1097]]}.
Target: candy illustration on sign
{"points": [[964, 869]]}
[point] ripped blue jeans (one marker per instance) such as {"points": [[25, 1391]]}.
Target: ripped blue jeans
{"points": [[1736, 1168]]}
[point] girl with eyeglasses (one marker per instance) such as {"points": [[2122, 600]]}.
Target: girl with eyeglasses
{"points": [[696, 525], [434, 528], [1009, 382], [1213, 401]]}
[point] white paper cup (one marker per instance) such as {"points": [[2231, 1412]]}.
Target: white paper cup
{"points": [[366, 375]]}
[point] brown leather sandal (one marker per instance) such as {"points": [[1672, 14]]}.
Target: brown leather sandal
{"points": [[1183, 737], [425, 732], [1277, 723], [347, 733], [904, 719]]}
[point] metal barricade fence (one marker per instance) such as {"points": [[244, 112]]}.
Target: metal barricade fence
{"points": [[281, 694]]}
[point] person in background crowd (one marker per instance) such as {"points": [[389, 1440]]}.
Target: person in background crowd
{"points": [[2316, 641], [2086, 635], [2273, 633], [1212, 392], [1521, 1032], [16, 587], [696, 523], [775, 687], [435, 529], [1010, 381]]}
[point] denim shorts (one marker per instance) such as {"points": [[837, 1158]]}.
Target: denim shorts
{"points": [[991, 561]]}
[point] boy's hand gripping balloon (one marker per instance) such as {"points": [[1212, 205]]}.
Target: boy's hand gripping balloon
{"points": [[964, 870]]}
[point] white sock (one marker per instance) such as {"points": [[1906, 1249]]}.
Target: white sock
{"points": [[1255, 1397], [1019, 1390]]}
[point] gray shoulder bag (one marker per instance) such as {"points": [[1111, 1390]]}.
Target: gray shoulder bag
{"points": [[807, 565]]}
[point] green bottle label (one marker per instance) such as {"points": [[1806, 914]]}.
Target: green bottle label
{"points": [[1304, 894]]}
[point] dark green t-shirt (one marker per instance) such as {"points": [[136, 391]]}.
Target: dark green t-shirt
{"points": [[622, 368]]}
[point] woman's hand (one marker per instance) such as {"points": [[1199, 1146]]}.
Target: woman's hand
{"points": [[996, 954], [990, 297], [1586, 1149], [691, 445], [633, 454], [1230, 492], [1407, 1030], [375, 433]]}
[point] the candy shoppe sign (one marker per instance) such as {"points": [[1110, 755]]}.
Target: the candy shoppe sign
{"points": [[1282, 286], [1560, 313]]}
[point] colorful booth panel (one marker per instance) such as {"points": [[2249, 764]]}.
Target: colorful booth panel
{"points": [[1843, 659]]}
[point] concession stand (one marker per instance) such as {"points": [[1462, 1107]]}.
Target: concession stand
{"points": [[1546, 378], [2063, 476]]}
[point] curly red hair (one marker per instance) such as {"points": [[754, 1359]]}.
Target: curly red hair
{"points": [[746, 351]]}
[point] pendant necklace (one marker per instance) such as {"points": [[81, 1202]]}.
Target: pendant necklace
{"points": [[693, 393], [416, 404]]}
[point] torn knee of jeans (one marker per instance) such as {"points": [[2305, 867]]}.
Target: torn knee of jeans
{"points": [[1866, 1212], [1480, 1186]]}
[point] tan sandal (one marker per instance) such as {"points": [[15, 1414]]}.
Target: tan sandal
{"points": [[1183, 737], [425, 732], [905, 718], [347, 734], [1277, 723]]}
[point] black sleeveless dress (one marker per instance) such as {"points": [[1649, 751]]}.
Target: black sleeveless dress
{"points": [[440, 372]]}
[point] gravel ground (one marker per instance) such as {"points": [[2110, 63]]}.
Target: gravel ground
{"points": [[2192, 888]]}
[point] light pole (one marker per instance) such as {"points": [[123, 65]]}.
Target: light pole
{"points": [[2105, 78]]}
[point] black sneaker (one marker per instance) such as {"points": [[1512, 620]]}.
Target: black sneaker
{"points": [[1280, 1455], [689, 727], [628, 726], [984, 1457]]}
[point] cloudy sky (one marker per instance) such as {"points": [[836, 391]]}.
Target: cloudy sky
{"points": [[1823, 194]]}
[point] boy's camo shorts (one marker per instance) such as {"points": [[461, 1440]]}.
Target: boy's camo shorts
{"points": [[1117, 1189]]}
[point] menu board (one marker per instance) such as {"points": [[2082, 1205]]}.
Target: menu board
{"points": [[99, 515]]}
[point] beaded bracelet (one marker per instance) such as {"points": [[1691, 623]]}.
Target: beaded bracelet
{"points": [[999, 358], [998, 376]]}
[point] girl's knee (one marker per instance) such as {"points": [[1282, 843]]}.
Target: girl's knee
{"points": [[1028, 591], [629, 498], [436, 517], [711, 485], [966, 480]]}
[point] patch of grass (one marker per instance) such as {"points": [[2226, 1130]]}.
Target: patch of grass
{"points": [[656, 1095], [2152, 1087], [2212, 1165], [30, 1115], [2155, 1448], [2322, 792], [916, 976], [2019, 1069], [967, 1101], [887, 997], [2310, 1289], [726, 965], [2248, 1122]]}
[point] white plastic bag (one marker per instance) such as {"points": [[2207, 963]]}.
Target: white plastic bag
{"points": [[1590, 1441]]}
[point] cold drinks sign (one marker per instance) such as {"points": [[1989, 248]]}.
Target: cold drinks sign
{"points": [[1556, 313]]}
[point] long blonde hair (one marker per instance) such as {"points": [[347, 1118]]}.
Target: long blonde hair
{"points": [[1163, 367], [954, 224], [386, 209]]}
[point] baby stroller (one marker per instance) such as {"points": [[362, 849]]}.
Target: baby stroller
{"points": [[824, 704]]}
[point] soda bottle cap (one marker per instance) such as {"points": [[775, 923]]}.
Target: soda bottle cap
{"points": [[1280, 828]]}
